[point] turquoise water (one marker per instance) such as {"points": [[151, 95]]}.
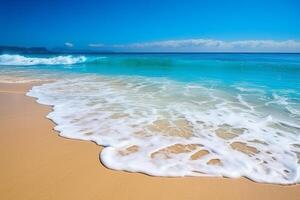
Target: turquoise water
{"points": [[280, 71], [243, 110]]}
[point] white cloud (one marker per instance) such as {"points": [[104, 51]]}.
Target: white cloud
{"points": [[216, 45], [69, 44], [96, 45], [120, 46], [181, 43], [267, 44]]}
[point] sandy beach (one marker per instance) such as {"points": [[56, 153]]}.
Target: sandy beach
{"points": [[38, 164]]}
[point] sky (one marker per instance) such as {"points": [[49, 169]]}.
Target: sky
{"points": [[153, 25]]}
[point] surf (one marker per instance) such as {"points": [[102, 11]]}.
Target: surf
{"points": [[20, 60], [168, 128]]}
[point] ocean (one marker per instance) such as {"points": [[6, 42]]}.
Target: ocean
{"points": [[190, 114]]}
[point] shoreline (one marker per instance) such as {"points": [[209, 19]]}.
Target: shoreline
{"points": [[37, 163]]}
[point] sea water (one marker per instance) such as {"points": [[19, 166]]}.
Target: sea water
{"points": [[228, 115]]}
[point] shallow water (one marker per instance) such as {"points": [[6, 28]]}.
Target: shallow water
{"points": [[227, 115]]}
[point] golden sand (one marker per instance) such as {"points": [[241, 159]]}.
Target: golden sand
{"points": [[36, 164]]}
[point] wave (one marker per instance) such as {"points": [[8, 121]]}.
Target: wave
{"points": [[16, 60], [168, 128]]}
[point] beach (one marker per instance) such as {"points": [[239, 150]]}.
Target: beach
{"points": [[38, 164], [150, 100]]}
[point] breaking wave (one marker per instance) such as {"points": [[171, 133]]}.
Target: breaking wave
{"points": [[16, 60]]}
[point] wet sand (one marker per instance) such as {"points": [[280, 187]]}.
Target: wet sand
{"points": [[38, 164]]}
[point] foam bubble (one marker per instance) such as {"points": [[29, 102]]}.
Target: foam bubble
{"points": [[167, 128]]}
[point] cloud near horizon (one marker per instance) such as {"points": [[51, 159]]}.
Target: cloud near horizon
{"points": [[69, 44], [214, 45], [95, 45]]}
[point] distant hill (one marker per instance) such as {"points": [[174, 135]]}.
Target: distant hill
{"points": [[43, 50], [23, 50]]}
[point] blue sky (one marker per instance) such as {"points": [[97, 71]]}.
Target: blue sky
{"points": [[153, 25]]}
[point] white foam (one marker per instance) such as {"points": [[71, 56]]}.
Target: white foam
{"points": [[280, 100], [7, 59], [121, 112]]}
